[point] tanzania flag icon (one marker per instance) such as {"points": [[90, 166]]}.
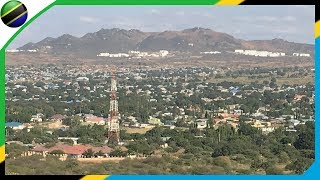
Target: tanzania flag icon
{"points": [[14, 14]]}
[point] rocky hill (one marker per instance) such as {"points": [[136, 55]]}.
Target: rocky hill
{"points": [[189, 40]]}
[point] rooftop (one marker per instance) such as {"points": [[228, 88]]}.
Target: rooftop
{"points": [[13, 124], [73, 149]]}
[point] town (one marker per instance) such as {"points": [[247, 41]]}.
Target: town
{"points": [[188, 113]]}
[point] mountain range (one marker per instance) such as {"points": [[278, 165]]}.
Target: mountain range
{"points": [[189, 40]]}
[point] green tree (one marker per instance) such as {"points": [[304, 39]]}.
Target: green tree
{"points": [[300, 165], [88, 153], [71, 163], [15, 150], [273, 170], [57, 152], [99, 153], [305, 141], [247, 129]]}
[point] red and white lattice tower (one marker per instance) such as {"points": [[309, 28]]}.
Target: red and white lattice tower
{"points": [[113, 121]]}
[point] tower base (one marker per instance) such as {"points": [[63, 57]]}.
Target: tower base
{"points": [[113, 138]]}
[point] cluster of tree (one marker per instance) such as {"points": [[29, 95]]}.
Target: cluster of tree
{"points": [[216, 148], [138, 104], [263, 152]]}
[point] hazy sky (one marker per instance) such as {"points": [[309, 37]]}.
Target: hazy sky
{"points": [[293, 23]]}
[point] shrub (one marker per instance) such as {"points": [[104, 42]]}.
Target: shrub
{"points": [[222, 161], [283, 157], [273, 170], [57, 152]]}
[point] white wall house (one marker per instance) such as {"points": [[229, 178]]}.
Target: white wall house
{"points": [[201, 123], [211, 52], [36, 118], [163, 53], [301, 54], [259, 53]]}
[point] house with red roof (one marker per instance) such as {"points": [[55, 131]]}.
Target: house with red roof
{"points": [[73, 151], [57, 117], [298, 97], [95, 120]]}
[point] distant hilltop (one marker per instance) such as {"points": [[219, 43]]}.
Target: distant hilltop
{"points": [[194, 40]]}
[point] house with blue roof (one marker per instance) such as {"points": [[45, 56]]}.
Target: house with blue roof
{"points": [[15, 125], [233, 89]]}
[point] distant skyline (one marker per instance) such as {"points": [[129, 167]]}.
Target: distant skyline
{"points": [[292, 23]]}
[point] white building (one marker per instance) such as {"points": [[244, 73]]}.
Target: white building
{"points": [[259, 53], [240, 51], [267, 130], [119, 55], [104, 54], [12, 50], [134, 52], [301, 54], [201, 123], [305, 55], [36, 118], [82, 79], [154, 55], [32, 50], [211, 52], [163, 53], [113, 55], [143, 54]]}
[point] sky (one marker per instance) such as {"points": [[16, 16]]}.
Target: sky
{"points": [[292, 23]]}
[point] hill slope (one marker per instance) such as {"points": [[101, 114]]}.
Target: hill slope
{"points": [[188, 40]]}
